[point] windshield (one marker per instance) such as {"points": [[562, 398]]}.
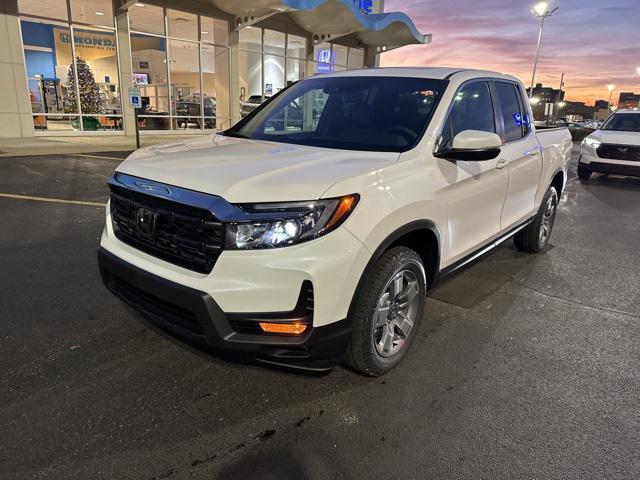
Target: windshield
{"points": [[353, 113], [623, 122]]}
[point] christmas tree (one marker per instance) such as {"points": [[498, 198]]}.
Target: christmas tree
{"points": [[89, 91]]}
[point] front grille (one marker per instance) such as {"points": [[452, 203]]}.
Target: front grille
{"points": [[183, 235], [619, 152]]}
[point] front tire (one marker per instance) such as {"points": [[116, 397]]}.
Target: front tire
{"points": [[584, 173], [535, 236], [388, 310]]}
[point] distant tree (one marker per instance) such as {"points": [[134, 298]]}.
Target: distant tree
{"points": [[89, 91]]}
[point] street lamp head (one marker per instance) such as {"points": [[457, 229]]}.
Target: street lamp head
{"points": [[638, 70], [610, 87], [541, 10]]}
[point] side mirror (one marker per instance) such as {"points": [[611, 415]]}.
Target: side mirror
{"points": [[472, 146]]}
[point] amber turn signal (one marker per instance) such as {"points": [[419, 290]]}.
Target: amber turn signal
{"points": [[346, 205], [283, 328]]}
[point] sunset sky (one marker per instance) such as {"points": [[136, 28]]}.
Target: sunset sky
{"points": [[594, 42]]}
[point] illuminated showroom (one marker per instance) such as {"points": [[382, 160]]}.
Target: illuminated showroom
{"points": [[199, 65]]}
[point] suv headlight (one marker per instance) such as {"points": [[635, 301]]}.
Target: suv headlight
{"points": [[288, 223], [592, 142]]}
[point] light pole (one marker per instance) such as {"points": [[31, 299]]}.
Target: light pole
{"points": [[638, 72], [541, 11], [610, 87]]}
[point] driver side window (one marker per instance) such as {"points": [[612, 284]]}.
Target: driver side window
{"points": [[471, 109]]}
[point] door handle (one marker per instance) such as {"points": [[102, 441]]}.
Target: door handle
{"points": [[501, 164], [534, 152]]}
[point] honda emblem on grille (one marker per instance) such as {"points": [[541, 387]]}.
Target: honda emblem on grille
{"points": [[623, 149], [147, 221]]}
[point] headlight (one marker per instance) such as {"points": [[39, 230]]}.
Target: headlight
{"points": [[592, 142], [288, 223]]}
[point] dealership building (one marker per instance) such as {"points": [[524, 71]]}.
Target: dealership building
{"points": [[69, 67]]}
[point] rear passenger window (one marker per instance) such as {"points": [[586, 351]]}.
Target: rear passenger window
{"points": [[512, 115], [471, 110]]}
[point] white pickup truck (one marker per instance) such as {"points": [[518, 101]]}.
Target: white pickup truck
{"points": [[312, 230]]}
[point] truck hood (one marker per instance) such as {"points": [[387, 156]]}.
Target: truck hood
{"points": [[241, 170], [615, 137]]}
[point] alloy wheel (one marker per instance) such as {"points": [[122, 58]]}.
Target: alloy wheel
{"points": [[396, 312], [548, 217]]}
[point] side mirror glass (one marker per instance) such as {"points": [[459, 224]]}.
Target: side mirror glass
{"points": [[473, 146]]}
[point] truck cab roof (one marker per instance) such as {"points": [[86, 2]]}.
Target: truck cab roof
{"points": [[440, 73]]}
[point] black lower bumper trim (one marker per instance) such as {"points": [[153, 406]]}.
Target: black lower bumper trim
{"points": [[195, 316], [613, 168]]}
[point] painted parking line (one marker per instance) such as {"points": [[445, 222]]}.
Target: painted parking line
{"points": [[52, 200], [101, 157]]}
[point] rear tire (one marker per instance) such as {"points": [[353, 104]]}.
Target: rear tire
{"points": [[584, 173], [535, 236], [389, 307]]}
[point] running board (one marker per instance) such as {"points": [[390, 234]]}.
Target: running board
{"points": [[487, 248]]}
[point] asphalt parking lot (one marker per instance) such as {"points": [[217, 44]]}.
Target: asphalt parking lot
{"points": [[525, 366]]}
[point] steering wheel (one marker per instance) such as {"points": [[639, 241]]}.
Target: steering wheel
{"points": [[405, 132]]}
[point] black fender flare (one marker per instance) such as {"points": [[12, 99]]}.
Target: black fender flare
{"points": [[414, 226], [565, 179]]}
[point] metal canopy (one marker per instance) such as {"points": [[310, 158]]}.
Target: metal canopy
{"points": [[338, 21]]}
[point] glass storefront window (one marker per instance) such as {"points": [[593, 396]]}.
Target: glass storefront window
{"points": [[339, 55], [71, 65], [146, 18], [92, 12], [251, 39], [184, 82], [215, 86], [273, 74], [274, 42], [356, 58], [296, 47], [55, 123], [250, 64], [214, 30], [295, 70], [149, 60], [184, 71], [54, 9], [49, 58], [97, 49], [182, 25]]}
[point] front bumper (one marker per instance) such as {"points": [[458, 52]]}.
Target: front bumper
{"points": [[195, 315], [604, 165]]}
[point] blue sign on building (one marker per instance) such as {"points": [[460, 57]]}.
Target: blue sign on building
{"points": [[326, 61], [365, 6]]}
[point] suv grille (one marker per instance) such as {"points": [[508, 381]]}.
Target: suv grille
{"points": [[619, 152], [180, 234]]}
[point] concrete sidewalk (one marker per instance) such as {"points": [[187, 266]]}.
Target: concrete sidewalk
{"points": [[16, 147]]}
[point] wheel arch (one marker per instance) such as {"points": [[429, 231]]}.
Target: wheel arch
{"points": [[423, 236], [559, 180]]}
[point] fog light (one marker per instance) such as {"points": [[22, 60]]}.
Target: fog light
{"points": [[283, 328]]}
